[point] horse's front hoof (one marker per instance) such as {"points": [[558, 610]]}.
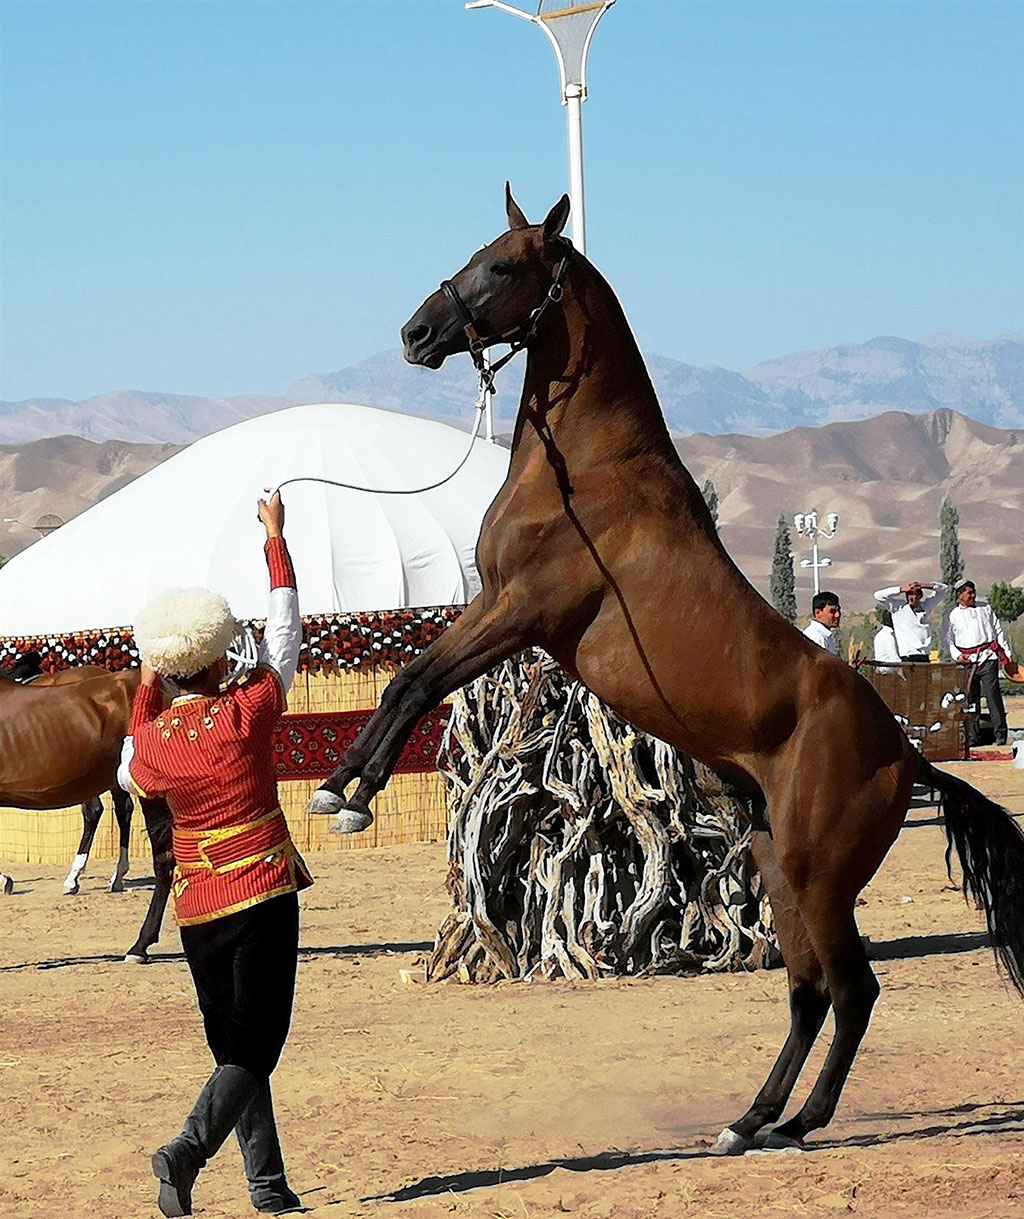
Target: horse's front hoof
{"points": [[729, 1143], [117, 886], [136, 958], [8, 886], [352, 819], [326, 802], [70, 888]]}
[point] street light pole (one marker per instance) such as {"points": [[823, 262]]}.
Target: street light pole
{"points": [[806, 525], [569, 26]]}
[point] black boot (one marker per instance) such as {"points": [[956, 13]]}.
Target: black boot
{"points": [[227, 1093], [261, 1151]]}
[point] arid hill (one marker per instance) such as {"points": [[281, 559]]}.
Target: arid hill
{"points": [[64, 475], [885, 477]]}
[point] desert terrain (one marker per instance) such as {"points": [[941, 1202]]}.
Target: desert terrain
{"points": [[398, 1097]]}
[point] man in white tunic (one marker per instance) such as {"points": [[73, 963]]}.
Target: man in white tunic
{"points": [[976, 637], [910, 609], [826, 613]]}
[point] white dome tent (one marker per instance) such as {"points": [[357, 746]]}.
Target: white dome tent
{"points": [[192, 521]]}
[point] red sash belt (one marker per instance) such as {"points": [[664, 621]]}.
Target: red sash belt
{"points": [[235, 846], [984, 647]]}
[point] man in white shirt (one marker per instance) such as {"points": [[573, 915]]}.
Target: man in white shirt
{"points": [[910, 609], [976, 637], [826, 613], [885, 649]]}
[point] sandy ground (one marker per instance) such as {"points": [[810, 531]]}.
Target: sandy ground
{"points": [[512, 1101]]}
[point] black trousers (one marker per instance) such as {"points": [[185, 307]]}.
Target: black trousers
{"points": [[986, 682], [243, 966]]}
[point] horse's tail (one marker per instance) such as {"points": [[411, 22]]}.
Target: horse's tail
{"points": [[990, 845]]}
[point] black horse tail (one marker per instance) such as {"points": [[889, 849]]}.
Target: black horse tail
{"points": [[990, 846]]}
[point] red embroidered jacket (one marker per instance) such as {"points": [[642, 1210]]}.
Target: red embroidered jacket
{"points": [[211, 760]]}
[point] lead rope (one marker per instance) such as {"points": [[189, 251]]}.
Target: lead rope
{"points": [[485, 386]]}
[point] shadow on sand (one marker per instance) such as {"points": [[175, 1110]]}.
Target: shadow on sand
{"points": [[163, 958], [961, 1121]]}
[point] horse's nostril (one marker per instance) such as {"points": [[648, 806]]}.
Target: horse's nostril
{"points": [[417, 334]]}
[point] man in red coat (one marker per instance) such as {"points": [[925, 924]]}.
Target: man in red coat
{"points": [[237, 873]]}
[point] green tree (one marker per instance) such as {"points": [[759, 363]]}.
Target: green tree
{"points": [[783, 582], [711, 499], [951, 557], [1007, 601]]}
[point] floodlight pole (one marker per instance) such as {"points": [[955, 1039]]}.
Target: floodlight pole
{"points": [[806, 524], [574, 90]]}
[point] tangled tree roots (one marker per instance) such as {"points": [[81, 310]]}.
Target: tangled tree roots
{"points": [[580, 847]]}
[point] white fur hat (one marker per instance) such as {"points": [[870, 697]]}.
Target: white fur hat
{"points": [[184, 630]]}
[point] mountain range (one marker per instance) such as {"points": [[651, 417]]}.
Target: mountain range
{"points": [[885, 476], [982, 380]]}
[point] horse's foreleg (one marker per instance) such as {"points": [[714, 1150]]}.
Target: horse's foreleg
{"points": [[123, 812], [92, 811], [479, 640], [6, 884], [158, 827], [808, 1005]]}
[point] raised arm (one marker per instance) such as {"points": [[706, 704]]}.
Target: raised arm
{"points": [[894, 594], [282, 638]]}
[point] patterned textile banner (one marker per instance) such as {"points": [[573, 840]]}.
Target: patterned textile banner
{"points": [[331, 643], [311, 746]]}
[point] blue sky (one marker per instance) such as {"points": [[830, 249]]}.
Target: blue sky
{"points": [[221, 196]]}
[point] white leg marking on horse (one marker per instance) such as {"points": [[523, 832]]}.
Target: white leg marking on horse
{"points": [[75, 875], [729, 1143], [325, 802], [350, 821]]}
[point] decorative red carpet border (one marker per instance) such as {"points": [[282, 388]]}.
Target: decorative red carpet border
{"points": [[311, 746], [331, 642]]}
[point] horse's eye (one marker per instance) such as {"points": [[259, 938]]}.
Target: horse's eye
{"points": [[503, 268]]}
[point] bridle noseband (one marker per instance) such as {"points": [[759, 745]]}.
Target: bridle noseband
{"points": [[517, 336]]}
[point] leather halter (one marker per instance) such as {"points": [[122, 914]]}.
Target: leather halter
{"points": [[517, 336]]}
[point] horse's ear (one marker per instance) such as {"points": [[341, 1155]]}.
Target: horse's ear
{"points": [[556, 218], [516, 219]]}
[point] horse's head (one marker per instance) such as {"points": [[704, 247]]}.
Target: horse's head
{"points": [[494, 297]]}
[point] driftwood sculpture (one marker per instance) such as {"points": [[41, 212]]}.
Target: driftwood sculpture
{"points": [[581, 848]]}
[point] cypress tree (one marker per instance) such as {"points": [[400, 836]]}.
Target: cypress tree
{"points": [[710, 494], [951, 558], [783, 582]]}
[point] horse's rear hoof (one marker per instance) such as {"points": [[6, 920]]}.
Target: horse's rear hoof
{"points": [[117, 886], [776, 1141], [326, 802], [8, 886], [729, 1143], [352, 819], [136, 958], [70, 890]]}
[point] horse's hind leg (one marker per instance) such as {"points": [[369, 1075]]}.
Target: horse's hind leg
{"points": [[158, 827], [92, 811], [854, 989], [808, 1006], [6, 884], [479, 640], [123, 812]]}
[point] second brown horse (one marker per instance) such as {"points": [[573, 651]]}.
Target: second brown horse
{"points": [[600, 549], [60, 744]]}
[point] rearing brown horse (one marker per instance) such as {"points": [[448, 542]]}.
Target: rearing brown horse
{"points": [[600, 549]]}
